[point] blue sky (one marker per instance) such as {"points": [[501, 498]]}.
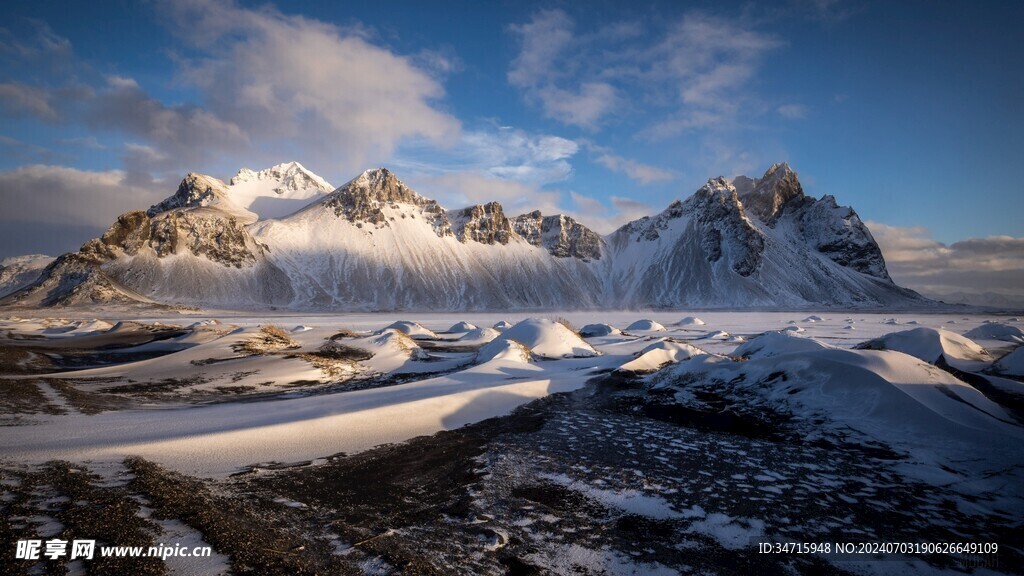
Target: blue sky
{"points": [[908, 111]]}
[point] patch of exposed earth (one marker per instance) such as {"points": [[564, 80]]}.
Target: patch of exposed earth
{"points": [[599, 481]]}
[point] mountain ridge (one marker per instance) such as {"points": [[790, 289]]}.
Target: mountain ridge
{"points": [[374, 243]]}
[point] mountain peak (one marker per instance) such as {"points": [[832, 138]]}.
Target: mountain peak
{"points": [[364, 198], [718, 186], [381, 185], [770, 192], [195, 190], [291, 176], [276, 191]]}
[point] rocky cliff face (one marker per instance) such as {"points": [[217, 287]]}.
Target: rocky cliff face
{"points": [[765, 197], [724, 227], [486, 224], [561, 235]]}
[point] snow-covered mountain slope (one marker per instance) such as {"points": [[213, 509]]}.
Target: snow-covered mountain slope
{"points": [[17, 272], [376, 244], [788, 249]]}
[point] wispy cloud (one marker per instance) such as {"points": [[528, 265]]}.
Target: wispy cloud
{"points": [[693, 70], [496, 151], [37, 49], [792, 111], [17, 98], [545, 73], [636, 171]]}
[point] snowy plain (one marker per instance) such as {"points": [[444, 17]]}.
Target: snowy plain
{"points": [[871, 409], [217, 439]]}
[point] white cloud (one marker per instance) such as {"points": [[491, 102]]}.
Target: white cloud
{"points": [[583, 107], [544, 39], [88, 142], [709, 60], [975, 265], [341, 100]]}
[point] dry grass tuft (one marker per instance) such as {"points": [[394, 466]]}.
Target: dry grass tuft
{"points": [[565, 322], [268, 340]]}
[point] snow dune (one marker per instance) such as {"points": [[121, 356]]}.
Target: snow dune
{"points": [[934, 346], [645, 326], [544, 338], [657, 355], [997, 331]]}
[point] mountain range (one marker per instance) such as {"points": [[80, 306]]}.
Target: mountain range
{"points": [[284, 237]]}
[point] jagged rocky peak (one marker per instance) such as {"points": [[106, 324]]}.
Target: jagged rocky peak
{"points": [[561, 235], [382, 185], [483, 223], [194, 190], [766, 196], [835, 231], [292, 177], [716, 190], [364, 198], [712, 218]]}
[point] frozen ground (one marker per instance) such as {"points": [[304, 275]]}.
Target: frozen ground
{"points": [[653, 448]]}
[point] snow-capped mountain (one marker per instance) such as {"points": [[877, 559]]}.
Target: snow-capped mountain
{"points": [[276, 237], [276, 191], [376, 244], [769, 246]]}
